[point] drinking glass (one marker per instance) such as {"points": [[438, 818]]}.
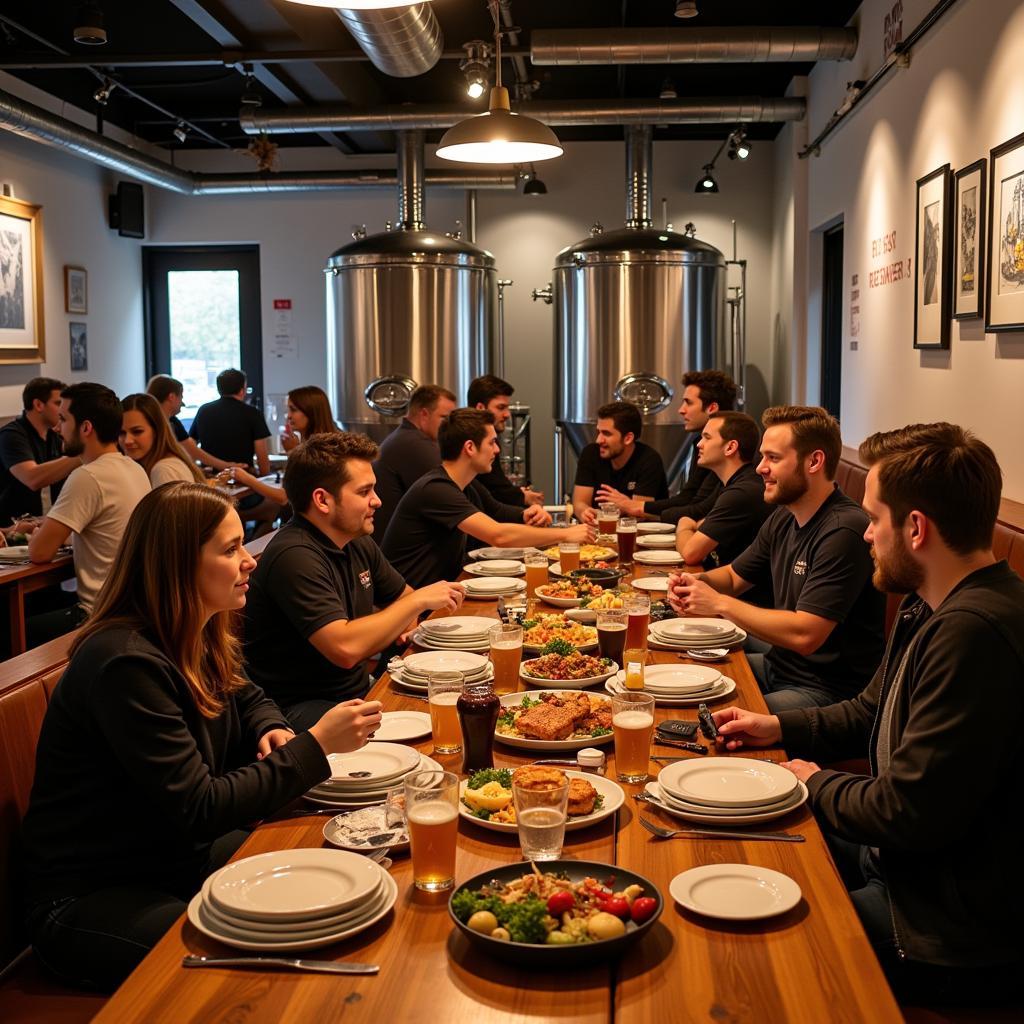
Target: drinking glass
{"points": [[506, 655], [638, 612], [607, 518], [443, 690], [611, 634], [540, 819], [568, 556], [625, 532], [432, 813], [633, 726], [634, 659], [536, 572]]}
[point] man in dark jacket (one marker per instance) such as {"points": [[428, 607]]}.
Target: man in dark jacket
{"points": [[924, 841]]}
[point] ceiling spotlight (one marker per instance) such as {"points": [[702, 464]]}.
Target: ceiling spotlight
{"points": [[533, 186], [89, 30], [181, 131], [476, 67], [251, 96], [686, 8], [102, 94], [706, 182], [739, 148], [668, 90]]}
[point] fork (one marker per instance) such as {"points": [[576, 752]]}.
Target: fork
{"points": [[705, 833]]}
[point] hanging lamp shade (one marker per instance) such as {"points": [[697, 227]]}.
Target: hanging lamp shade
{"points": [[499, 137], [359, 5]]}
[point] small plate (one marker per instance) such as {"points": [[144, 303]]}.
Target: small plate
{"points": [[656, 540], [654, 584], [351, 830], [658, 558], [735, 892], [655, 528], [402, 726]]}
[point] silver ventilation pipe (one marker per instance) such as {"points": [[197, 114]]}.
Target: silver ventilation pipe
{"points": [[410, 181], [337, 118], [400, 41], [718, 45], [638, 176], [342, 181]]}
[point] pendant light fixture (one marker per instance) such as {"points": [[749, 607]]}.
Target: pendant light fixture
{"points": [[499, 136], [358, 5]]}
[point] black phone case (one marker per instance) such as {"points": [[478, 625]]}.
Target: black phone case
{"points": [[678, 728]]}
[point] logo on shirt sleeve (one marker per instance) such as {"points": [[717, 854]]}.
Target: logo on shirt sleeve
{"points": [[800, 568], [365, 580]]}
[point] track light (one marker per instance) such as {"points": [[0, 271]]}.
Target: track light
{"points": [[251, 96], [102, 94], [706, 182], [739, 148], [89, 30], [533, 186], [668, 90], [686, 8], [476, 67], [181, 131]]}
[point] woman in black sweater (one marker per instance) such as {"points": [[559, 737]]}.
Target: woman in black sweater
{"points": [[156, 750]]}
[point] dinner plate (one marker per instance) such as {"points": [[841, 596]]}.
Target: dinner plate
{"points": [[524, 743], [489, 553], [451, 627], [493, 586], [692, 629], [680, 680], [377, 764], [483, 574], [565, 684], [656, 541], [795, 799], [499, 566], [728, 781], [420, 640], [655, 584], [612, 792], [285, 945], [354, 830], [724, 688], [326, 796], [735, 892], [14, 553], [699, 817], [446, 661], [654, 640], [402, 726], [655, 528], [658, 557], [293, 885]]}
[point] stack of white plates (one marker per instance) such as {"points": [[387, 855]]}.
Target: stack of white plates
{"points": [[655, 528], [455, 633], [658, 557], [292, 899], [695, 634], [415, 670], [363, 777], [656, 540], [495, 567], [728, 790], [483, 588], [489, 553], [679, 685]]}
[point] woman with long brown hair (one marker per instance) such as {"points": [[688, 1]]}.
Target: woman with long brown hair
{"points": [[156, 750], [147, 439]]}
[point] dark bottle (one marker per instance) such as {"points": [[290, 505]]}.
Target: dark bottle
{"points": [[478, 707]]}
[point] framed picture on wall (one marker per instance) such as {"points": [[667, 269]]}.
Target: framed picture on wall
{"points": [[22, 339], [79, 346], [933, 253], [969, 242], [1004, 290], [76, 290]]}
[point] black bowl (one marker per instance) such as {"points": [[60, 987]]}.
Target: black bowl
{"points": [[606, 578], [557, 957]]}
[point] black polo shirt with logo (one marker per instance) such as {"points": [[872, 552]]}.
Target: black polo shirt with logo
{"points": [[823, 567], [736, 516], [643, 474], [20, 442], [303, 582]]}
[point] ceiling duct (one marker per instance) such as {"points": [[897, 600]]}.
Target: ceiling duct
{"points": [[718, 45], [638, 176], [337, 118], [400, 41]]}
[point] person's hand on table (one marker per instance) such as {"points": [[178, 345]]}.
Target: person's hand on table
{"points": [[271, 740], [441, 595], [347, 726], [590, 516], [607, 494], [803, 770], [242, 476], [740, 728], [690, 596], [582, 533], [532, 497], [534, 515]]}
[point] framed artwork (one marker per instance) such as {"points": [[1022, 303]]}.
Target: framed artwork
{"points": [[969, 242], [79, 346], [76, 290], [22, 339], [933, 252], [1004, 289]]}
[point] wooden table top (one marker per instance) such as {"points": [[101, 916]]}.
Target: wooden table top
{"points": [[812, 964], [10, 572]]}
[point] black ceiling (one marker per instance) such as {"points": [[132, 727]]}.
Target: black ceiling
{"points": [[208, 96]]}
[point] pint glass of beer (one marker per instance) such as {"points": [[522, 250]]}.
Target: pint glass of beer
{"points": [[443, 689], [506, 654], [625, 532], [638, 621], [536, 572], [432, 814], [607, 518], [568, 556], [633, 726], [611, 634]]}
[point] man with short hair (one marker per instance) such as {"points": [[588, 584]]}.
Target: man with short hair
{"points": [[727, 447], [98, 498], [617, 461], [493, 394], [229, 431], [922, 842], [704, 392], [32, 460], [170, 393], [323, 599], [426, 539], [825, 632]]}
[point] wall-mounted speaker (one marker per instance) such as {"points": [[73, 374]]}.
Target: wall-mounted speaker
{"points": [[128, 210]]}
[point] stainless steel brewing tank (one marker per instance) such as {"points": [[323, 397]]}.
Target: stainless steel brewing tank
{"points": [[405, 308], [635, 309]]}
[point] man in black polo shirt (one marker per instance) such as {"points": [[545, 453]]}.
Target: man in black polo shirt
{"points": [[230, 431], [427, 537], [170, 393], [619, 460], [32, 461], [825, 633], [311, 621], [726, 448]]}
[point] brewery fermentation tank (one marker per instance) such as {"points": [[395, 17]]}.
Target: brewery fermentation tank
{"points": [[404, 308]]}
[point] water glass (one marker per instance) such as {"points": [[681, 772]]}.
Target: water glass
{"points": [[432, 813], [633, 726], [540, 819], [443, 690]]}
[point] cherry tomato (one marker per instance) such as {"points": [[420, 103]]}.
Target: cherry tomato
{"points": [[643, 907], [559, 902], [617, 906]]}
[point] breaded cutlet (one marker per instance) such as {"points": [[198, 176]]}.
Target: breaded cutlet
{"points": [[548, 721], [537, 777], [582, 797]]}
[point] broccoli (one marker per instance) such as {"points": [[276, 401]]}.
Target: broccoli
{"points": [[503, 776], [482, 813], [528, 703], [507, 719], [530, 623], [600, 732], [524, 920], [558, 646], [598, 802]]}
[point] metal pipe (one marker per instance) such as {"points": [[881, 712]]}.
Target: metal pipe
{"points": [[559, 467], [336, 117], [513, 41], [410, 181], [717, 45], [400, 41], [471, 215], [503, 283], [638, 176], [341, 181]]}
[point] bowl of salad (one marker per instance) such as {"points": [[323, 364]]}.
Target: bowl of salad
{"points": [[556, 914]]}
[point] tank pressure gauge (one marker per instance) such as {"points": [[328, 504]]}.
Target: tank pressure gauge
{"points": [[389, 396], [647, 391]]}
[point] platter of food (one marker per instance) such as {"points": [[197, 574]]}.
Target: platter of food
{"points": [[563, 720], [485, 798], [569, 593], [570, 913], [588, 553], [566, 671], [541, 631]]}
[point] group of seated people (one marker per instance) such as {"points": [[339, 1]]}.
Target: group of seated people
{"points": [[203, 733]]}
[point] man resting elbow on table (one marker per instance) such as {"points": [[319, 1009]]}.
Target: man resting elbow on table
{"points": [[427, 536], [323, 599], [924, 842]]}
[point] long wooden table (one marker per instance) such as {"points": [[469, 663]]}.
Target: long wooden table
{"points": [[17, 581], [811, 965]]}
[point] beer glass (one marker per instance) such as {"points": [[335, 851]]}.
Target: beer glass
{"points": [[540, 820], [506, 655], [568, 556], [607, 518], [611, 634], [432, 814], [638, 612], [536, 572], [625, 532], [633, 726], [443, 689]]}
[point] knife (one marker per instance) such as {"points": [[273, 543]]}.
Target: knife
{"points": [[323, 966]]}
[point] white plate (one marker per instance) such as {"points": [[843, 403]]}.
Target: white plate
{"points": [[725, 688], [499, 566], [684, 645], [560, 602], [402, 726], [728, 782], [795, 799], [454, 627], [325, 795], [422, 641], [603, 554], [692, 629], [293, 885], [482, 574], [493, 586], [656, 540], [447, 661], [383, 761], [680, 680], [655, 584], [658, 558], [735, 892], [282, 946], [488, 553], [725, 819], [349, 830], [14, 553], [612, 792], [514, 699], [655, 528]]}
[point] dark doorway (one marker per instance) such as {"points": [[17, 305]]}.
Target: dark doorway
{"points": [[202, 308], [832, 320]]}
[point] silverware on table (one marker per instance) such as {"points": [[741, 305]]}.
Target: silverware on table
{"points": [[708, 833], [322, 966]]}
